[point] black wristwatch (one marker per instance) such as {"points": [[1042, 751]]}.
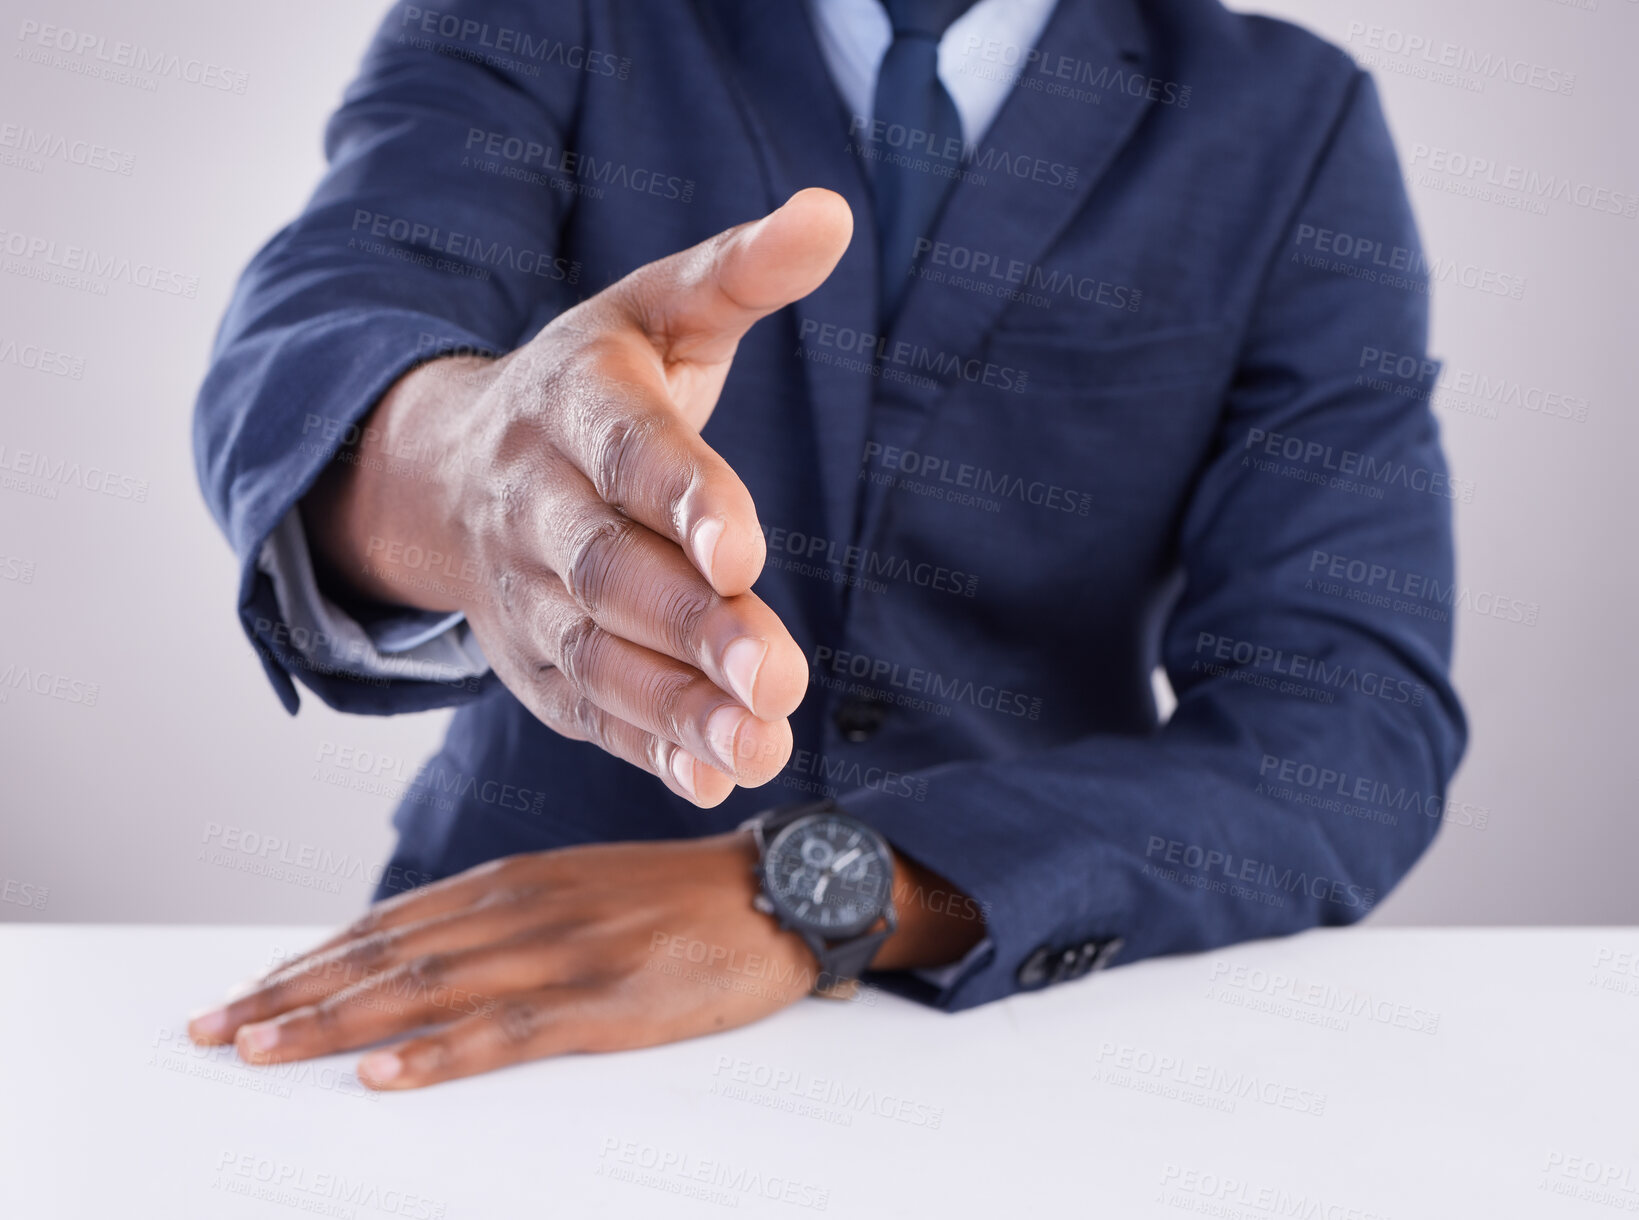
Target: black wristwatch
{"points": [[829, 878]]}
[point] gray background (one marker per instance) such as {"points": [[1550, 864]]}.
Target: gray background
{"points": [[118, 811]]}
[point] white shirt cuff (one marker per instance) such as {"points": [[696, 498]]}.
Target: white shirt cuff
{"points": [[417, 645]]}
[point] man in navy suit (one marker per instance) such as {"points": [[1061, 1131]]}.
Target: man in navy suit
{"points": [[855, 401]]}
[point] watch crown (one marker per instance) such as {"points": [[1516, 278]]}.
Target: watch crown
{"points": [[762, 903]]}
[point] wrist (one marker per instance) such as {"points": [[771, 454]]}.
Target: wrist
{"points": [[384, 520], [938, 924]]}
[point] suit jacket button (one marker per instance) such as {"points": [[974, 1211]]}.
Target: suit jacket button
{"points": [[1034, 971], [1085, 955], [858, 719]]}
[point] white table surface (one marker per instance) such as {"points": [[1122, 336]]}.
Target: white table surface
{"points": [[1343, 1075]]}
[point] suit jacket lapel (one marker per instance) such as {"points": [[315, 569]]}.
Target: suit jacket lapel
{"points": [[801, 126]]}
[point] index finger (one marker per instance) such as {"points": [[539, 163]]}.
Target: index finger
{"points": [[642, 457]]}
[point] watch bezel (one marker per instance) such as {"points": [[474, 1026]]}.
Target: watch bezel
{"points": [[786, 914]]}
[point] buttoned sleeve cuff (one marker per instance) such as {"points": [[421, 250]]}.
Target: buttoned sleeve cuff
{"points": [[399, 643]]}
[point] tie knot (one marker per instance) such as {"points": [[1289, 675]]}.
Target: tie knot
{"points": [[924, 18]]}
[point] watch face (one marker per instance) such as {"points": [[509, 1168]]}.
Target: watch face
{"points": [[828, 874]]}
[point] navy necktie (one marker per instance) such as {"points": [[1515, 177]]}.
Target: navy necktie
{"points": [[919, 137]]}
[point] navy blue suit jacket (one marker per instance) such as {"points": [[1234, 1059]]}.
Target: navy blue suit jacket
{"points": [[1147, 403]]}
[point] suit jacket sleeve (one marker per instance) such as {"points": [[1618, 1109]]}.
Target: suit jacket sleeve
{"points": [[1304, 769], [407, 250]]}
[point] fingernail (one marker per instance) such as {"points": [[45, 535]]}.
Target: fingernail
{"points": [[262, 1037], [704, 543], [721, 728], [209, 1023], [378, 1067], [742, 661], [683, 770]]}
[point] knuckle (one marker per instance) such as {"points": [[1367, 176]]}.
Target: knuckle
{"points": [[506, 591], [587, 718], [557, 703], [683, 615], [666, 696], [578, 638], [674, 481], [659, 752], [622, 443], [519, 1020], [521, 591], [366, 953], [427, 968], [594, 557]]}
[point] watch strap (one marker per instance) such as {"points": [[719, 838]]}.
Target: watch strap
{"points": [[765, 825], [841, 964]]}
